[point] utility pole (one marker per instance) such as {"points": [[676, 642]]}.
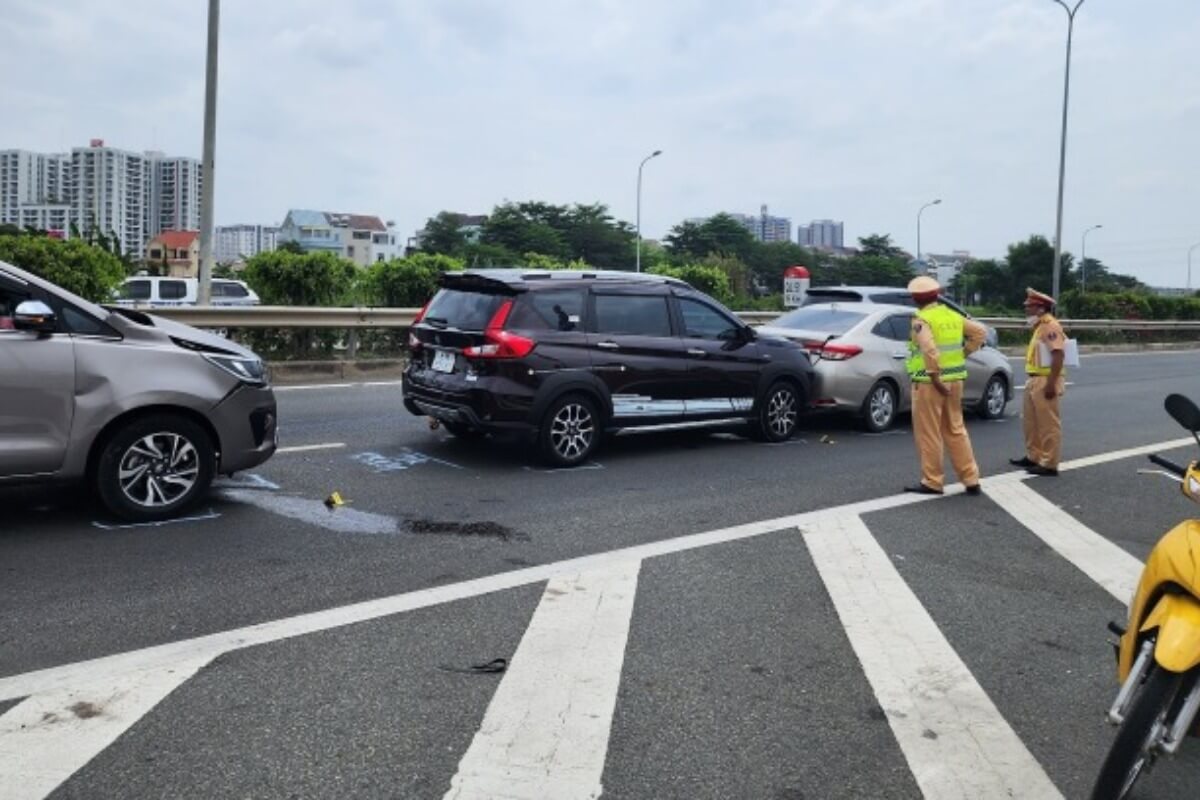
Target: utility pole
{"points": [[207, 187], [639, 207], [1062, 152]]}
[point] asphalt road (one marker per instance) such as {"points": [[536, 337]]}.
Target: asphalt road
{"points": [[739, 669]]}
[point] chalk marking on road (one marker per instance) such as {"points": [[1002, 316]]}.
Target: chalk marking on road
{"points": [[157, 524], [246, 481], [582, 467], [380, 464], [47, 737], [203, 649], [956, 742], [546, 730], [304, 448], [315, 512], [1098, 558]]}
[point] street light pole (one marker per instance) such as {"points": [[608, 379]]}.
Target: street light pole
{"points": [[207, 193], [1062, 153], [639, 206], [921, 211], [1083, 259], [1190, 249]]}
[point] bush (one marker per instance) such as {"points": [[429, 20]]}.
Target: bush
{"points": [[88, 271], [710, 280], [406, 282], [311, 279]]}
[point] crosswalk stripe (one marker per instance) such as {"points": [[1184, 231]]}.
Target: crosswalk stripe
{"points": [[956, 742], [47, 737], [545, 733], [1098, 558]]}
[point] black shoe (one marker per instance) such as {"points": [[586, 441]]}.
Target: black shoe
{"points": [[974, 490], [1038, 469], [1023, 461], [921, 488]]}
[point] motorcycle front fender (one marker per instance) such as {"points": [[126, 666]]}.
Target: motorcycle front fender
{"points": [[1177, 645]]}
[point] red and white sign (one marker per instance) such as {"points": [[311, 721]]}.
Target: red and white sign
{"points": [[795, 286]]}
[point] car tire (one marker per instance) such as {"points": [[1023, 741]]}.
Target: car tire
{"points": [[570, 431], [778, 413], [462, 431], [879, 408], [995, 398], [154, 467]]}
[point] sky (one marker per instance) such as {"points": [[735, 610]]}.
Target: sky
{"points": [[859, 111]]}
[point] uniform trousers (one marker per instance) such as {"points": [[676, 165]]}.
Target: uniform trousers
{"points": [[938, 426]]}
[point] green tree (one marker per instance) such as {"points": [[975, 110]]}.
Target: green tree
{"points": [[592, 235], [880, 245], [313, 279], [768, 261], [290, 246], [709, 279], [89, 271], [523, 229], [444, 234]]}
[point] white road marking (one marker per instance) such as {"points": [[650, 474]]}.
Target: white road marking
{"points": [[1021, 388], [581, 468], [315, 512], [314, 386], [546, 731], [160, 523], [304, 448], [246, 481], [400, 462], [955, 740], [46, 738], [1098, 558], [1117, 455]]}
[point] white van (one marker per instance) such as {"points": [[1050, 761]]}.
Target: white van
{"points": [[147, 290]]}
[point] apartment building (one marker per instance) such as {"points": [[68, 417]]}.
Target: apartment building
{"points": [[824, 234], [236, 243], [175, 195], [763, 227], [32, 179]]}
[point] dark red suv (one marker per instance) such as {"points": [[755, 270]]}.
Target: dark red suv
{"points": [[566, 356]]}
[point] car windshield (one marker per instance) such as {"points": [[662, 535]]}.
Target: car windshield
{"points": [[466, 311], [827, 319]]}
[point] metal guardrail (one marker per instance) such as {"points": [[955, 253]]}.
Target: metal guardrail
{"points": [[369, 318]]}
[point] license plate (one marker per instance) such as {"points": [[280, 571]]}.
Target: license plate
{"points": [[443, 361]]}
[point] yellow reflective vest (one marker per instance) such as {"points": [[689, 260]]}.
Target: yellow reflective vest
{"points": [[947, 328]]}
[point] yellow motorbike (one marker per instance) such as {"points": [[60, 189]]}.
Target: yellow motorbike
{"points": [[1158, 655]]}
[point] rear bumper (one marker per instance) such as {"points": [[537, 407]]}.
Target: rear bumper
{"points": [[247, 427], [492, 404]]}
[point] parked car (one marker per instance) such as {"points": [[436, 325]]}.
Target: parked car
{"points": [[565, 356], [152, 290], [144, 409], [893, 295], [861, 350]]}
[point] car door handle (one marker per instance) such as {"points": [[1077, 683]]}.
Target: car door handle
{"points": [[900, 356], [608, 345], [693, 351]]}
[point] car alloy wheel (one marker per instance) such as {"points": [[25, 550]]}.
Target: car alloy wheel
{"points": [[781, 413], [158, 469], [995, 398], [572, 430], [881, 406]]}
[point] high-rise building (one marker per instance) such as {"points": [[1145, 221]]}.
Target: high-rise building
{"points": [[133, 196], [820, 233], [763, 227], [233, 243]]}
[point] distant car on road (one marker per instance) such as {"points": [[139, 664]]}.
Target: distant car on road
{"points": [[153, 290], [892, 295], [566, 356], [144, 409], [861, 350]]}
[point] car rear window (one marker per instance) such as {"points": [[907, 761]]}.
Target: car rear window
{"points": [[466, 311], [827, 319]]}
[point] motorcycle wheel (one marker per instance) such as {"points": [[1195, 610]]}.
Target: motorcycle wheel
{"points": [[1134, 750]]}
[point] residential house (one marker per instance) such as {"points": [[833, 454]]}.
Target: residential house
{"points": [[179, 250], [361, 238]]}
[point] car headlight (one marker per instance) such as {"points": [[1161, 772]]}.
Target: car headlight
{"points": [[246, 370]]}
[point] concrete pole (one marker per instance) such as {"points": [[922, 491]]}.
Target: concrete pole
{"points": [[1062, 152], [208, 188]]}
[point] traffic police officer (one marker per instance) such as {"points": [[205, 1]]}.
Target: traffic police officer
{"points": [[1044, 383], [937, 365]]}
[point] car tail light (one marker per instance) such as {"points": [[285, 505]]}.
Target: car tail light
{"points": [[501, 343], [414, 344], [829, 351]]}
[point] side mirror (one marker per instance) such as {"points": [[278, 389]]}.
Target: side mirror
{"points": [[34, 315], [1183, 411]]}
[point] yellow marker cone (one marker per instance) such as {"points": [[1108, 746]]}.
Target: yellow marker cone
{"points": [[334, 501]]}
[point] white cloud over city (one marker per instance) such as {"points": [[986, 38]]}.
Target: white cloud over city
{"points": [[859, 111]]}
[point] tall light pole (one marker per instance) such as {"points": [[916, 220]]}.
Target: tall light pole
{"points": [[919, 213], [639, 206], [1083, 259], [1062, 153], [207, 188], [1190, 249]]}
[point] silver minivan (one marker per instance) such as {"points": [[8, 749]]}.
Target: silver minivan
{"points": [[145, 410]]}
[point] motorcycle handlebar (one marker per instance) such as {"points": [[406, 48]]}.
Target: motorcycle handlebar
{"points": [[1170, 466]]}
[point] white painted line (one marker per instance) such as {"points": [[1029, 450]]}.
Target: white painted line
{"points": [[581, 468], [1118, 455], [160, 523], [315, 386], [545, 733], [1021, 388], [48, 737], [213, 645], [304, 448], [956, 742], [1098, 558]]}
